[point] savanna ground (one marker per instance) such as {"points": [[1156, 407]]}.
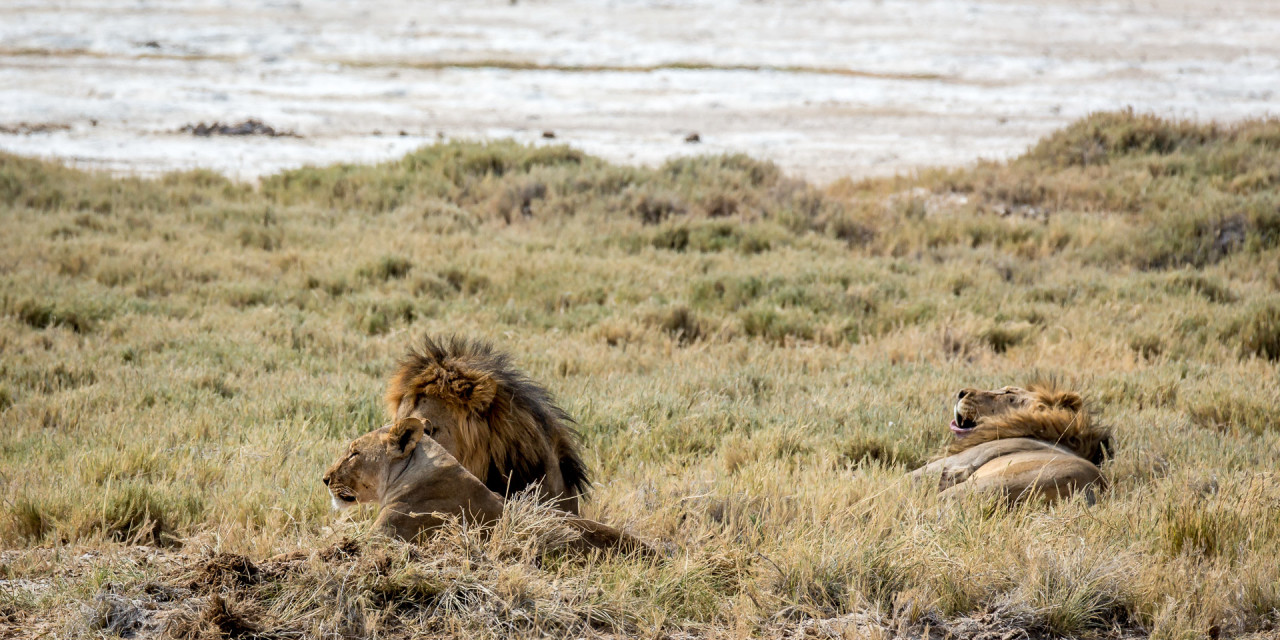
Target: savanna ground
{"points": [[754, 363]]}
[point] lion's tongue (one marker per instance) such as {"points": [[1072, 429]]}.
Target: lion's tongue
{"points": [[955, 428]]}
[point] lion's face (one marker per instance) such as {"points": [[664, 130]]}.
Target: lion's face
{"points": [[973, 405], [360, 475]]}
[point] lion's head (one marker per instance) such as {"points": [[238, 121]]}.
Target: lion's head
{"points": [[1040, 411], [360, 475], [501, 426]]}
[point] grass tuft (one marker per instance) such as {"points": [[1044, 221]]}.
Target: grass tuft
{"points": [[1260, 331], [79, 316], [386, 268], [863, 449]]}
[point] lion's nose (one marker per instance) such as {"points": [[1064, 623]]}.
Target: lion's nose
{"points": [[326, 479], [962, 395]]}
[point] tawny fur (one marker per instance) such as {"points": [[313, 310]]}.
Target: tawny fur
{"points": [[1058, 417], [1025, 443], [417, 484], [508, 431]]}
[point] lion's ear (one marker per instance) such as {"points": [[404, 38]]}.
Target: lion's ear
{"points": [[474, 389], [404, 436], [1070, 401]]}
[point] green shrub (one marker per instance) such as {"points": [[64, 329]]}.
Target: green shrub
{"points": [[1103, 137]]}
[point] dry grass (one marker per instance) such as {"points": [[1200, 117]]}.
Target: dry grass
{"points": [[754, 363]]}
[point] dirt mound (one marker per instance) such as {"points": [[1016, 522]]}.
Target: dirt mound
{"points": [[225, 570], [228, 621]]}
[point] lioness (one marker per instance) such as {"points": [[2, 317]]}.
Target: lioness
{"points": [[416, 482], [1023, 444], [499, 424]]}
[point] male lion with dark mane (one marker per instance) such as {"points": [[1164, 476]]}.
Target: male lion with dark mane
{"points": [[1037, 442], [500, 425]]}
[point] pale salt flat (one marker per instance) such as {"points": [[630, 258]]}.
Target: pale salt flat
{"points": [[927, 82]]}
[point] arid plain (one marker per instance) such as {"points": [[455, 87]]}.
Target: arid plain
{"points": [[824, 88]]}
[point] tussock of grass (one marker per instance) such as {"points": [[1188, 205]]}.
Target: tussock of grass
{"points": [[79, 316], [1260, 331], [753, 362], [862, 449], [1235, 410]]}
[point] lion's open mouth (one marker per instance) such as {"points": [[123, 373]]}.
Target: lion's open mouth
{"points": [[962, 425], [341, 500]]}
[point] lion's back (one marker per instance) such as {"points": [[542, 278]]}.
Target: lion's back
{"points": [[1051, 474]]}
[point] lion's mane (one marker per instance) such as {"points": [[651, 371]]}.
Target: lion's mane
{"points": [[512, 430], [1055, 416]]}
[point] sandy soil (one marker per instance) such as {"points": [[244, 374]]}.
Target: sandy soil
{"points": [[825, 88]]}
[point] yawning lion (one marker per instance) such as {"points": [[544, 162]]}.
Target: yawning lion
{"points": [[1021, 443]]}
